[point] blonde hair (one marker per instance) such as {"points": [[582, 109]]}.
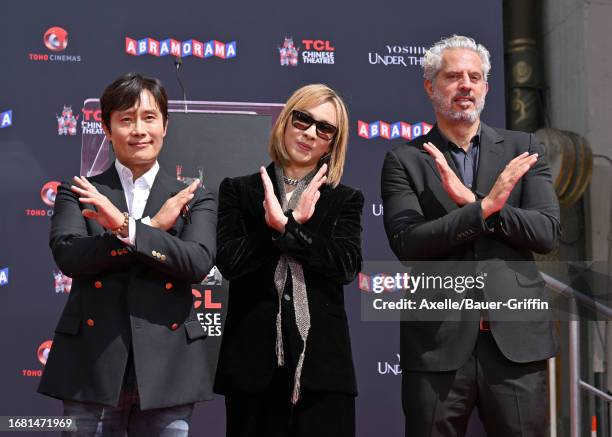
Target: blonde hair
{"points": [[307, 97]]}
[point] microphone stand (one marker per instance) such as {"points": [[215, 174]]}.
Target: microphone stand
{"points": [[178, 62]]}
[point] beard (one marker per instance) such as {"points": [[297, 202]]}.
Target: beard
{"points": [[442, 105]]}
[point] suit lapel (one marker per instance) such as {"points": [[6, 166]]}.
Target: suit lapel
{"points": [[436, 138], [489, 160], [163, 188], [272, 175], [110, 186]]}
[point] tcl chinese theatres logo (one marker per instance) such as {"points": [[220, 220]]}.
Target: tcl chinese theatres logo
{"points": [[198, 300]]}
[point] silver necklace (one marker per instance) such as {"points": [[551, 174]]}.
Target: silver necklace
{"points": [[292, 182]]}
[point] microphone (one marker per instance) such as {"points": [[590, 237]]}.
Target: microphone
{"points": [[178, 62]]}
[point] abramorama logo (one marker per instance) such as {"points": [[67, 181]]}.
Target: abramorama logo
{"points": [[391, 131], [180, 49], [4, 276], [6, 118]]}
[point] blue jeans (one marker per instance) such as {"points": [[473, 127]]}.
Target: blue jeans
{"points": [[127, 419]]}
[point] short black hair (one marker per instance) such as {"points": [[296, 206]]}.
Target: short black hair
{"points": [[125, 91]]}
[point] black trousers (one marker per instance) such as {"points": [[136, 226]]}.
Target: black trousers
{"points": [[271, 414], [511, 397]]}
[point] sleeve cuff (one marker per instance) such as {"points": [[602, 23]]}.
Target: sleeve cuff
{"points": [[282, 241], [490, 222]]}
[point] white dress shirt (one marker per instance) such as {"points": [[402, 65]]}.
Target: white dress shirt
{"points": [[136, 196]]}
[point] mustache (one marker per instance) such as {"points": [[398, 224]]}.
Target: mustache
{"points": [[464, 94]]}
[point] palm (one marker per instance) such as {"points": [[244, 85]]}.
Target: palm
{"points": [[275, 218]]}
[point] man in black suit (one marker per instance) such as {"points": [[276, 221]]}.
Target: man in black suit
{"points": [[469, 192], [129, 352]]}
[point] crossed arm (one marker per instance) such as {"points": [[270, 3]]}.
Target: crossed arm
{"points": [[532, 225], [79, 250]]}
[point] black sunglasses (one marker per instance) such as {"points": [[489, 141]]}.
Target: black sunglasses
{"points": [[303, 121]]}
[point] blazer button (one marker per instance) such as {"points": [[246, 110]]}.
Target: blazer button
{"points": [[174, 326], [90, 322], [169, 285], [98, 284], [113, 253]]}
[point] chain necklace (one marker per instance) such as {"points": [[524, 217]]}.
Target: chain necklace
{"points": [[292, 182]]}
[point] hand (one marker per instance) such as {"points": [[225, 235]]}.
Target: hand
{"points": [[106, 213], [496, 199], [170, 210], [306, 205], [275, 218], [459, 193]]}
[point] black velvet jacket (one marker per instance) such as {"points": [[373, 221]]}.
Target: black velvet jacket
{"points": [[329, 248]]}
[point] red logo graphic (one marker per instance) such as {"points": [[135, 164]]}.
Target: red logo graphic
{"points": [[48, 192], [56, 39], [316, 51], [92, 114], [208, 303], [67, 122], [318, 45], [62, 283], [43, 351], [288, 53]]}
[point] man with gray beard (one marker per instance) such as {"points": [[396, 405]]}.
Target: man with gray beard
{"points": [[469, 193]]}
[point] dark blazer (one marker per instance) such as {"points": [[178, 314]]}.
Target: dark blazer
{"points": [[329, 248], [424, 224], [124, 296]]}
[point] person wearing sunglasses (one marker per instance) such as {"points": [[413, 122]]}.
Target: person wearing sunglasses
{"points": [[289, 238]]}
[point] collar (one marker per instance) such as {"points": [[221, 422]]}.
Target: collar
{"points": [[126, 176], [474, 140]]}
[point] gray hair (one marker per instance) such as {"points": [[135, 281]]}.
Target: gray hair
{"points": [[432, 62]]}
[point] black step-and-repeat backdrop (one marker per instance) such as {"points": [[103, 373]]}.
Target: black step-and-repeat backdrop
{"points": [[56, 60]]}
